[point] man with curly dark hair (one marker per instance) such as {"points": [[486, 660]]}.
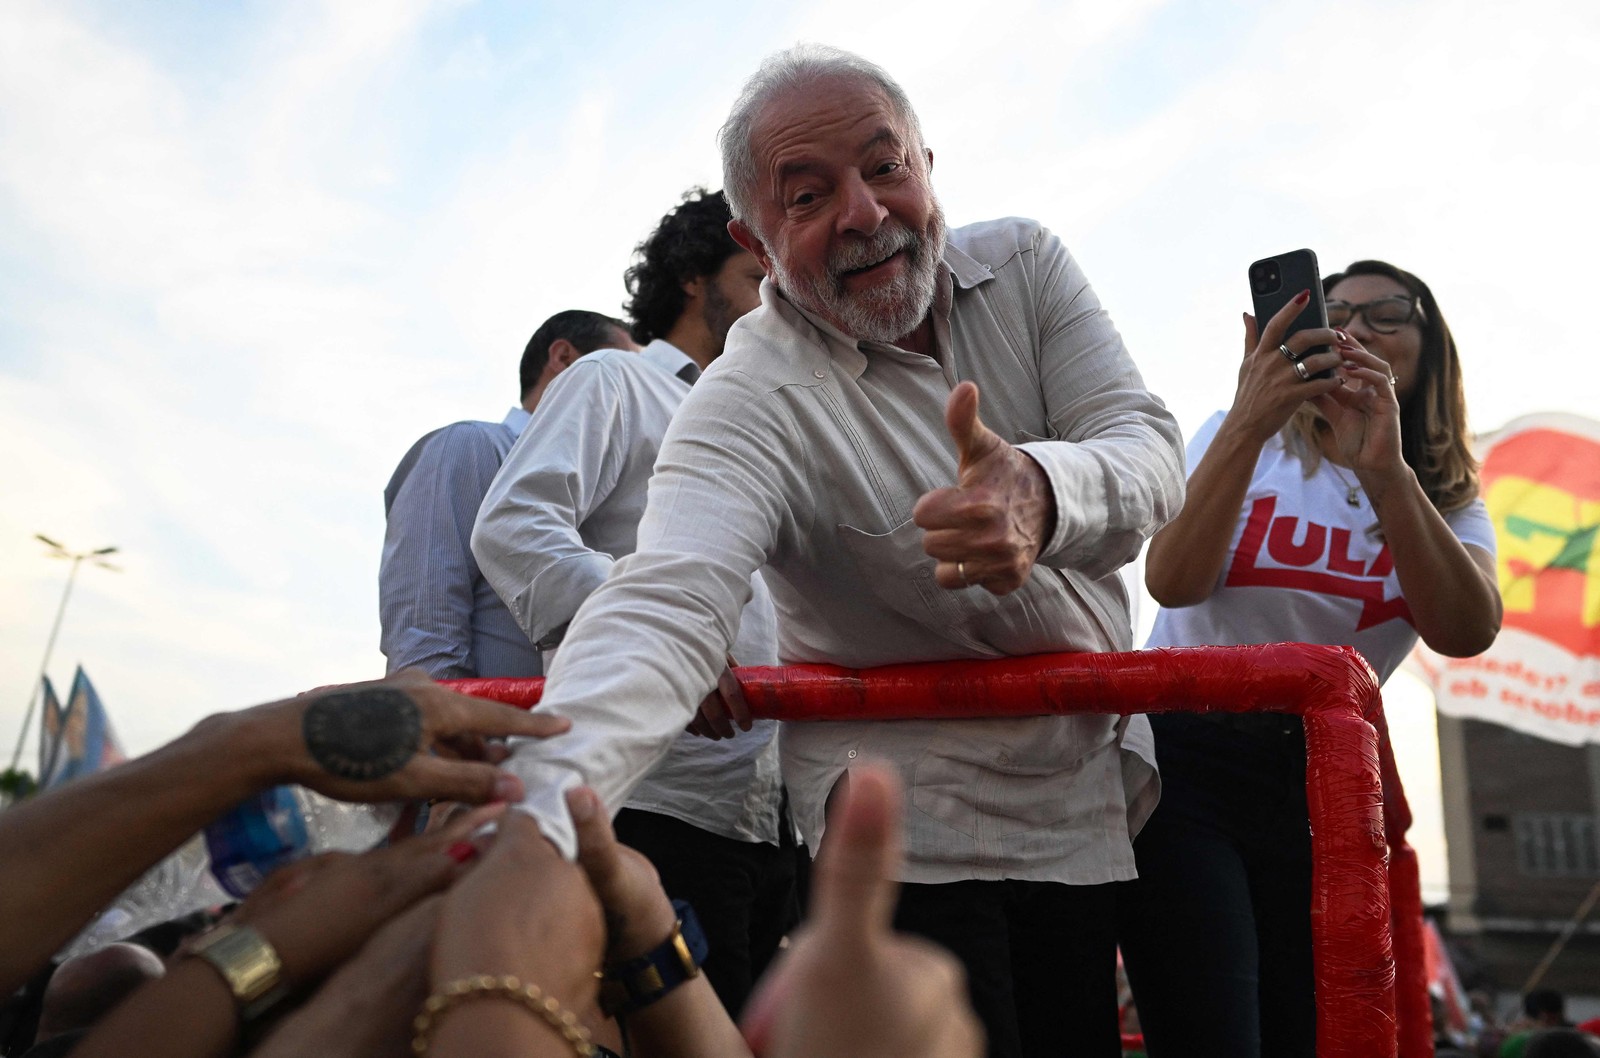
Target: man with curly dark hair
{"points": [[691, 280], [566, 508]]}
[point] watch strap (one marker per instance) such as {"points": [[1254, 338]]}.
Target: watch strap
{"points": [[248, 963], [636, 983]]}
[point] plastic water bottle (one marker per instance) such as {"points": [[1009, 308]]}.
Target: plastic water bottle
{"points": [[232, 856], [284, 824]]}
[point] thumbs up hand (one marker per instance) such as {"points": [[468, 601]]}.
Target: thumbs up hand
{"points": [[989, 528], [849, 984]]}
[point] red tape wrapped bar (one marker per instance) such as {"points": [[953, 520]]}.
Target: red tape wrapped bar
{"points": [[1350, 777]]}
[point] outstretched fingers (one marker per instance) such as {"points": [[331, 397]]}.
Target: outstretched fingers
{"points": [[460, 714], [467, 781]]}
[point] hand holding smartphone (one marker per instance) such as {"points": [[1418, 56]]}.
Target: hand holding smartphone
{"points": [[1274, 282]]}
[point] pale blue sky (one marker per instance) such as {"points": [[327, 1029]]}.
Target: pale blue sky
{"points": [[249, 252]]}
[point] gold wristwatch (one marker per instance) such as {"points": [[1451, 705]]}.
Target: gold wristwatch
{"points": [[248, 963]]}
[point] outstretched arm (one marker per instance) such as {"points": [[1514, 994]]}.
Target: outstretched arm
{"points": [[689, 1021], [651, 642], [314, 915], [67, 853]]}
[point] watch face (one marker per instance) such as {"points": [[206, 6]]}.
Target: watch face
{"points": [[244, 958], [639, 982]]}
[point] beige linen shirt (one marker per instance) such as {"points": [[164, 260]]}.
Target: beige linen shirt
{"points": [[804, 451]]}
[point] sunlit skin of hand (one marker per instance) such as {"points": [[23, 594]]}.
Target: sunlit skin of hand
{"points": [[988, 529]]}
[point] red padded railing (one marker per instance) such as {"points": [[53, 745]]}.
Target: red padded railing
{"points": [[1357, 807]]}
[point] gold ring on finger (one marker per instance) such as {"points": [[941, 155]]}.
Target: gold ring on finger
{"points": [[961, 568]]}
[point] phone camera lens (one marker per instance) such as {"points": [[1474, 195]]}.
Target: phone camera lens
{"points": [[1266, 278]]}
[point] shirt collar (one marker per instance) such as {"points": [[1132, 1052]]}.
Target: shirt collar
{"points": [[517, 419], [664, 355]]}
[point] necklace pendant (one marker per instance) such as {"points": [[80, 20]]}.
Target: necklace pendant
{"points": [[1350, 497]]}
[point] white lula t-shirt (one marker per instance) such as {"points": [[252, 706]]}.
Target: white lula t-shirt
{"points": [[1306, 566]]}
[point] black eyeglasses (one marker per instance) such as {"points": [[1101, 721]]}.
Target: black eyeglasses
{"points": [[1385, 315]]}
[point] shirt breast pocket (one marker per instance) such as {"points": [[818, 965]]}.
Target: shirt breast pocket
{"points": [[895, 569]]}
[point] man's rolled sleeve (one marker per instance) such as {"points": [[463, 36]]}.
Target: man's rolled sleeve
{"points": [[648, 645], [1117, 472]]}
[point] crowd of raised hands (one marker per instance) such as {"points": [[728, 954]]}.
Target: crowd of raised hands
{"points": [[473, 938]]}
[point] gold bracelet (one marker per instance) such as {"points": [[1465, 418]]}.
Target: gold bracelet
{"points": [[483, 986]]}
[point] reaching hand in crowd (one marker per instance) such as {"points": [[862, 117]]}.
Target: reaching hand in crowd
{"points": [[67, 854], [495, 945], [310, 918]]}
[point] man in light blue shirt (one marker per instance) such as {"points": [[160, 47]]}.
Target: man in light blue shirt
{"points": [[436, 610]]}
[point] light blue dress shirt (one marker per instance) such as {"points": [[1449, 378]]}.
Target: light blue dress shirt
{"points": [[437, 611]]}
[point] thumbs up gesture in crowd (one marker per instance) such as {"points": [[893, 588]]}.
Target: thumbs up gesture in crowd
{"points": [[989, 528], [849, 984]]}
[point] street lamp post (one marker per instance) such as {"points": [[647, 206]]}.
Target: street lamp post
{"points": [[95, 558]]}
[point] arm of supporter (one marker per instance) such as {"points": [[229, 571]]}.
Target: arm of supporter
{"points": [[426, 577], [565, 464], [364, 1008], [1185, 560], [1450, 586], [67, 853], [1116, 473], [524, 912], [314, 915], [689, 1021], [651, 642]]}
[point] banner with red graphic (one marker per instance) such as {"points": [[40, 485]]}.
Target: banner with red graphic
{"points": [[1541, 483]]}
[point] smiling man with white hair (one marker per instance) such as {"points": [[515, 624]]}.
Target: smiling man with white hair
{"points": [[837, 443]]}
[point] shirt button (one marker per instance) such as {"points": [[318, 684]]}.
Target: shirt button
{"points": [[820, 374], [851, 754]]}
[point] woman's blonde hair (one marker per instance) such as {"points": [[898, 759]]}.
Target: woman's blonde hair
{"points": [[1434, 438]]}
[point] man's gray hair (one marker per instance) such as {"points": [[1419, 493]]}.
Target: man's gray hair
{"points": [[794, 67]]}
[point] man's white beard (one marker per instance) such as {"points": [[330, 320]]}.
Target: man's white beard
{"points": [[883, 313]]}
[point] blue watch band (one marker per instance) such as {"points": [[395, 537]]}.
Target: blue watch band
{"points": [[635, 984]]}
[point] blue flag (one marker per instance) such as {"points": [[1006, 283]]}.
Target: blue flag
{"points": [[50, 723], [86, 743]]}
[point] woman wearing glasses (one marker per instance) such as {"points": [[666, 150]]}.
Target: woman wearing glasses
{"points": [[1338, 510]]}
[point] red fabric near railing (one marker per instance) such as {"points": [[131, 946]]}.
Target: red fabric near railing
{"points": [[1357, 807]]}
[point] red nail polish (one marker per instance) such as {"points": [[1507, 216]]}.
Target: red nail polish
{"points": [[462, 851], [1302, 297]]}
